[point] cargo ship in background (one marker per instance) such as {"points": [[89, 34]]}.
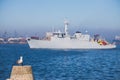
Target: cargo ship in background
{"points": [[19, 40], [6, 38], [62, 40], [13, 40]]}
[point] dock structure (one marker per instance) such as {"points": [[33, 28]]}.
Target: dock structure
{"points": [[21, 73]]}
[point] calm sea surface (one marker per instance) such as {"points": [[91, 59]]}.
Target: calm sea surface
{"points": [[62, 64]]}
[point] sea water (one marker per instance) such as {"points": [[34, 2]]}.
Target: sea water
{"points": [[62, 64]]}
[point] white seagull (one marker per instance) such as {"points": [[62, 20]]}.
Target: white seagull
{"points": [[20, 61]]}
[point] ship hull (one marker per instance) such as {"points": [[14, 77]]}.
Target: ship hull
{"points": [[67, 44]]}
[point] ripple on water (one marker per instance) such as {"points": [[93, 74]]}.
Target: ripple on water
{"points": [[62, 64]]}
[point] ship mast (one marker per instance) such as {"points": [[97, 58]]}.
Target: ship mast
{"points": [[66, 27]]}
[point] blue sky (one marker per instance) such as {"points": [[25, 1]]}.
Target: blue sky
{"points": [[32, 16]]}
